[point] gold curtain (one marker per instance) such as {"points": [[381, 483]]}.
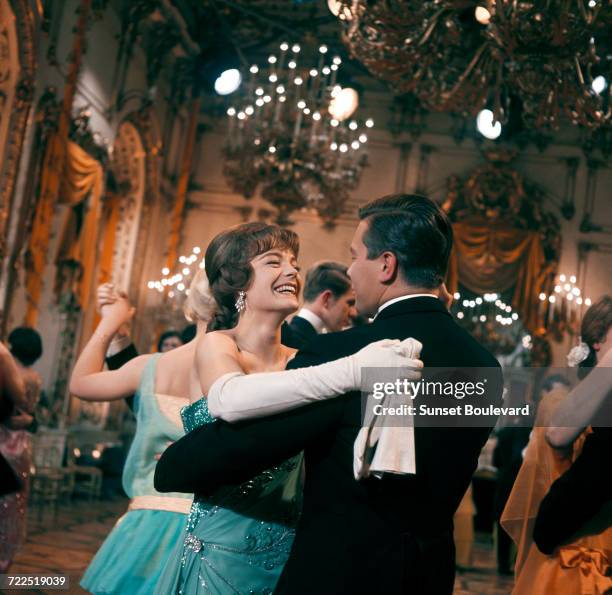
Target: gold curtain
{"points": [[82, 180], [494, 257]]}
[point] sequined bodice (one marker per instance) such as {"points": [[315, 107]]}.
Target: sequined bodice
{"points": [[235, 498]]}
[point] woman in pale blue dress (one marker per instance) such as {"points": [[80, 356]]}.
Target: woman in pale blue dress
{"points": [[133, 555], [238, 541]]}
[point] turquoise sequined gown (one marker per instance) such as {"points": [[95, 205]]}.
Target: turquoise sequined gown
{"points": [[132, 557], [238, 541]]}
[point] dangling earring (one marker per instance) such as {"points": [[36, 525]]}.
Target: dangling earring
{"points": [[241, 301]]}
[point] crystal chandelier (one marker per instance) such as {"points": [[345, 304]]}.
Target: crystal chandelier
{"points": [[547, 59], [292, 134]]}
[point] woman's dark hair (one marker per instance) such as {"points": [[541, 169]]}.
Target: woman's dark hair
{"points": [[166, 335], [416, 230], [595, 324], [228, 264], [25, 344]]}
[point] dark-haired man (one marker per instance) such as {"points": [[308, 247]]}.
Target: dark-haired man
{"points": [[328, 303], [392, 535]]}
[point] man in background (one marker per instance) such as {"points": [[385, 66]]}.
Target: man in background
{"points": [[329, 303]]}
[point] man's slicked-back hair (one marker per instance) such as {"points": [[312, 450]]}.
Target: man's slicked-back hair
{"points": [[326, 275], [416, 230]]}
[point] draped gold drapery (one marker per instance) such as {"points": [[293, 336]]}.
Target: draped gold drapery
{"points": [[495, 257], [81, 190]]}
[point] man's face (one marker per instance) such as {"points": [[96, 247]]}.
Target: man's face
{"points": [[339, 310], [364, 274]]}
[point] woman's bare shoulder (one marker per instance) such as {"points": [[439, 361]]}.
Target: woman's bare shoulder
{"points": [[218, 339]]}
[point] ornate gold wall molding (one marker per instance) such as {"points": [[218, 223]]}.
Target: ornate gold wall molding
{"points": [[17, 70]]}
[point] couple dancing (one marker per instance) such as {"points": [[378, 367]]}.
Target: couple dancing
{"points": [[246, 438]]}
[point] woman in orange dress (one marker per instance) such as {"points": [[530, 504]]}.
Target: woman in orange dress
{"points": [[583, 566]]}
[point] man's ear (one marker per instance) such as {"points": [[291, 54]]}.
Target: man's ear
{"points": [[326, 298], [389, 268]]}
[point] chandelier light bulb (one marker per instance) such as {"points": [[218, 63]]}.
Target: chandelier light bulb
{"points": [[272, 149], [259, 102], [249, 110], [573, 279], [369, 123], [326, 70], [336, 8], [151, 284], [284, 46], [259, 91], [306, 111], [296, 48], [186, 271], [301, 104], [337, 60], [316, 116], [362, 139], [486, 125], [272, 78], [344, 104], [579, 301], [313, 73], [587, 302], [292, 64], [562, 278], [552, 299], [197, 250], [334, 67], [334, 146], [241, 115], [165, 271], [355, 145], [336, 90], [599, 84], [280, 89], [298, 80], [483, 16], [353, 125], [254, 69], [272, 59], [228, 81], [334, 122], [542, 297], [323, 49], [460, 315], [592, 3], [267, 99], [282, 98], [343, 148]]}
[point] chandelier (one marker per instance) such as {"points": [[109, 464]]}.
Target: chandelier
{"points": [[546, 59], [293, 135], [563, 309], [173, 286]]}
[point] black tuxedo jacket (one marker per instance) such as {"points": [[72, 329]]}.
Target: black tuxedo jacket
{"points": [[390, 535], [114, 362], [297, 333]]}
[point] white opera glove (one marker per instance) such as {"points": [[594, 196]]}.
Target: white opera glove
{"points": [[237, 396]]}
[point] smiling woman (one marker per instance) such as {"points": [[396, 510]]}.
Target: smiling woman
{"points": [[255, 258]]}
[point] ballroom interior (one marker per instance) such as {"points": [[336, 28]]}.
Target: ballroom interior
{"points": [[132, 132]]}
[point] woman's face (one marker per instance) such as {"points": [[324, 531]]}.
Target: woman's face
{"points": [[276, 282], [170, 343]]}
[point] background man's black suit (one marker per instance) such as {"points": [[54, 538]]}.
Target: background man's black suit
{"points": [[297, 333], [375, 536]]}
